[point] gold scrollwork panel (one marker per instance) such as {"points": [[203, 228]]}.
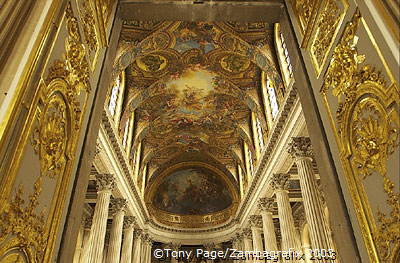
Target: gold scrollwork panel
{"points": [[366, 125], [28, 231], [327, 25]]}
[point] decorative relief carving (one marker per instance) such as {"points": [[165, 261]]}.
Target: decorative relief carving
{"points": [[129, 221], [117, 205], [303, 10], [280, 181], [300, 147], [266, 204], [247, 233], [255, 220], [87, 13], [105, 182], [23, 228], [327, 26], [368, 133]]}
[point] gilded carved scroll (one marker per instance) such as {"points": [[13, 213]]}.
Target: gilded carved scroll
{"points": [[367, 127]]}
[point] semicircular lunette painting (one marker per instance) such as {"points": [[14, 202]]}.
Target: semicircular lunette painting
{"points": [[192, 191]]}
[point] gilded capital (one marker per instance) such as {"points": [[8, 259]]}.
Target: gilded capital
{"points": [[300, 147], [280, 181], [129, 221], [118, 204], [105, 182], [266, 204], [255, 221]]}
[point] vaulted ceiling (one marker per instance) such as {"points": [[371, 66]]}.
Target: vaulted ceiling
{"points": [[192, 87]]}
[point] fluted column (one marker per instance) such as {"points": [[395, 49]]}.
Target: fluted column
{"points": [[118, 206], [266, 206], [286, 222], [301, 150], [248, 242], [127, 245], [143, 253], [137, 246], [256, 226], [105, 184], [149, 245]]}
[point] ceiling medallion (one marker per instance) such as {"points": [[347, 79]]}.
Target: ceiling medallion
{"points": [[234, 63], [151, 63]]}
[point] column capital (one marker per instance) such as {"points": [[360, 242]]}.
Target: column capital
{"points": [[118, 204], [247, 234], [255, 221], [266, 204], [129, 221], [105, 182], [137, 233], [239, 236], [280, 181], [300, 147]]}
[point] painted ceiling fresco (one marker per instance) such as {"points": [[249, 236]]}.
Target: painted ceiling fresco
{"points": [[192, 191], [193, 86]]}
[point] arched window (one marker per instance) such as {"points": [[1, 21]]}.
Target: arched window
{"points": [[286, 55], [272, 98], [250, 161], [126, 132], [260, 134], [284, 59], [112, 106]]}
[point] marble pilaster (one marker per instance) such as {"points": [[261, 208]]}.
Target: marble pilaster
{"points": [[86, 242]]}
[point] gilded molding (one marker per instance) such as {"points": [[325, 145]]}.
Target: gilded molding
{"points": [[326, 29], [367, 127]]}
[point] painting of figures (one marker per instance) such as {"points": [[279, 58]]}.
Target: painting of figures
{"points": [[192, 191]]}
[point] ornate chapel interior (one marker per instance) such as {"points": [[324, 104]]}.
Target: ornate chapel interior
{"points": [[129, 127]]}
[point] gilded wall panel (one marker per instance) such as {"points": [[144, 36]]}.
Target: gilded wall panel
{"points": [[30, 217], [327, 25], [366, 123]]}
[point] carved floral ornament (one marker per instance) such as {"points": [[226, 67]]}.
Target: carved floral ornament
{"points": [[24, 235], [368, 133]]}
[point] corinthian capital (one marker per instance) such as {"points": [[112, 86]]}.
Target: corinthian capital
{"points": [[247, 233], [266, 204], [129, 221], [118, 204], [255, 220], [300, 147], [105, 182], [280, 181]]}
